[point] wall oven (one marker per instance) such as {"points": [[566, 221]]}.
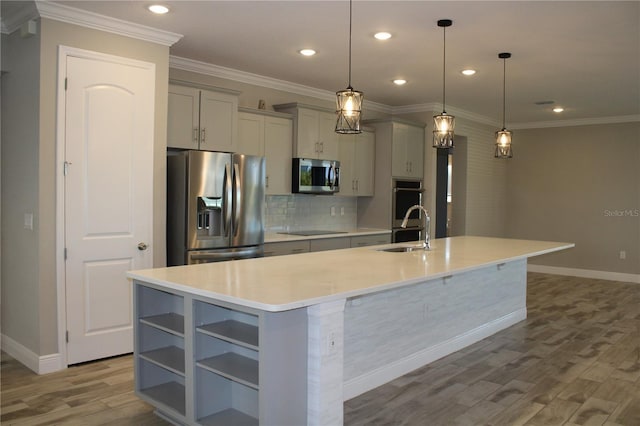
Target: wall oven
{"points": [[406, 193]]}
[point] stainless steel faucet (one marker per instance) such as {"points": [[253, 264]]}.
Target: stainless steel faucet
{"points": [[427, 223]]}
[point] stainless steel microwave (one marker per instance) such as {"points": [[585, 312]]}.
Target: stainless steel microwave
{"points": [[311, 176]]}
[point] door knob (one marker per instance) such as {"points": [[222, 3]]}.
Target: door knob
{"points": [[142, 246]]}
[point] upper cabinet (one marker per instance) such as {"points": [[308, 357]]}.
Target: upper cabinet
{"points": [[407, 155], [357, 161], [202, 119], [268, 134], [314, 133]]}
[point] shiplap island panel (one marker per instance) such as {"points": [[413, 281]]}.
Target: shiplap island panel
{"points": [[329, 325]]}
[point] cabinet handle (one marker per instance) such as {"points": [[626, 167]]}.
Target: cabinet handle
{"points": [[321, 146], [203, 135], [317, 147], [195, 134], [357, 185], [267, 182]]}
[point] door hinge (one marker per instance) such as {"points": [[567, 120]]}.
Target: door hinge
{"points": [[65, 253], [65, 168], [66, 336], [65, 83]]}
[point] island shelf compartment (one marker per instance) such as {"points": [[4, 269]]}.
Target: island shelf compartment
{"points": [[223, 402], [159, 349], [227, 360]]}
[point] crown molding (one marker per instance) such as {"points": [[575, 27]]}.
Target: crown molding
{"points": [[578, 122], [432, 107], [17, 16], [95, 21], [199, 67]]}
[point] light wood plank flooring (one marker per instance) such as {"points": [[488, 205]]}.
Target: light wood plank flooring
{"points": [[574, 361]]}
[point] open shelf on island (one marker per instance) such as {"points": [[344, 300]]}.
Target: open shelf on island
{"points": [[170, 357], [229, 417], [234, 367], [233, 331], [170, 322], [170, 394]]}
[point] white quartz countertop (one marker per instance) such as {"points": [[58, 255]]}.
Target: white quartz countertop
{"points": [[276, 237], [282, 283]]}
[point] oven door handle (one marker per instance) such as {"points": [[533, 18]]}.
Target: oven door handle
{"points": [[409, 189]]}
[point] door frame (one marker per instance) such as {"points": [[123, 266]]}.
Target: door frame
{"points": [[63, 53]]}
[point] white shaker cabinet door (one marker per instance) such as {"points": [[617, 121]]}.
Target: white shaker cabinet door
{"points": [[278, 134], [218, 121], [182, 118]]}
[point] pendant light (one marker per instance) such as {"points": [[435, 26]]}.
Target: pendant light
{"points": [[503, 137], [349, 101], [444, 123]]}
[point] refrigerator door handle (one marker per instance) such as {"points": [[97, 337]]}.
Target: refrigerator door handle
{"points": [[227, 200], [237, 202]]}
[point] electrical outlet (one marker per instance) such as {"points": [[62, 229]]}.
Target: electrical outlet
{"points": [[28, 221], [331, 342], [623, 254], [333, 210], [341, 211]]}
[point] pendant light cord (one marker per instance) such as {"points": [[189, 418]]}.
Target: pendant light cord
{"points": [[444, 67], [504, 91], [350, 24]]}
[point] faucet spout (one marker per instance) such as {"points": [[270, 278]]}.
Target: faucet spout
{"points": [[427, 223]]}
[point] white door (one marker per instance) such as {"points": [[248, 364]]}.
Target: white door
{"points": [[108, 199]]}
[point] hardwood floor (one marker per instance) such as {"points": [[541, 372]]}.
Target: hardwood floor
{"points": [[574, 361]]}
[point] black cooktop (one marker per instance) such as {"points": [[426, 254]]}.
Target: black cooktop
{"points": [[312, 232]]}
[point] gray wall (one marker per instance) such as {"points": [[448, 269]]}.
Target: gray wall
{"points": [[20, 191], [578, 184], [29, 154]]}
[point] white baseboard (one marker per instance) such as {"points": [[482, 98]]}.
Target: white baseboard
{"points": [[585, 273], [39, 364], [372, 379]]}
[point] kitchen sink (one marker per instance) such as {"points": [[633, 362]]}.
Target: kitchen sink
{"points": [[402, 249]]}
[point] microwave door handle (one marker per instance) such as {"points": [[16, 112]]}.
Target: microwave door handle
{"points": [[335, 176], [227, 200], [331, 176], [237, 202]]}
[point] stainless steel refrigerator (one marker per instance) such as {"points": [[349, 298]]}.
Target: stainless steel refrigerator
{"points": [[215, 207]]}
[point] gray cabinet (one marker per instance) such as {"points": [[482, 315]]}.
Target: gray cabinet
{"points": [[202, 119], [324, 244], [370, 240], [286, 247], [314, 133], [407, 156], [270, 135], [357, 161], [205, 362]]}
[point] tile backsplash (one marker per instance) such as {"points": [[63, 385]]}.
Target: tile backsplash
{"points": [[297, 212]]}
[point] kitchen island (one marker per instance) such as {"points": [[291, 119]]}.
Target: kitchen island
{"points": [[285, 340]]}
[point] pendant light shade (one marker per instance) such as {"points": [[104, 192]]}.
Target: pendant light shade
{"points": [[443, 124], [349, 101], [503, 137]]}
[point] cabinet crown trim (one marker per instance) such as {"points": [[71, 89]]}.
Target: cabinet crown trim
{"points": [[264, 112], [204, 87], [293, 105]]}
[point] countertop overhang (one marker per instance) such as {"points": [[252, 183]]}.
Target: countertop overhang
{"points": [[282, 283]]}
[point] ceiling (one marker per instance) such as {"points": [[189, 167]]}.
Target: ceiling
{"points": [[583, 55]]}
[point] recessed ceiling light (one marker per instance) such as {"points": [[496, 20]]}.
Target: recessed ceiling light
{"points": [[159, 9], [558, 109], [382, 35], [468, 72], [307, 52], [399, 81]]}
